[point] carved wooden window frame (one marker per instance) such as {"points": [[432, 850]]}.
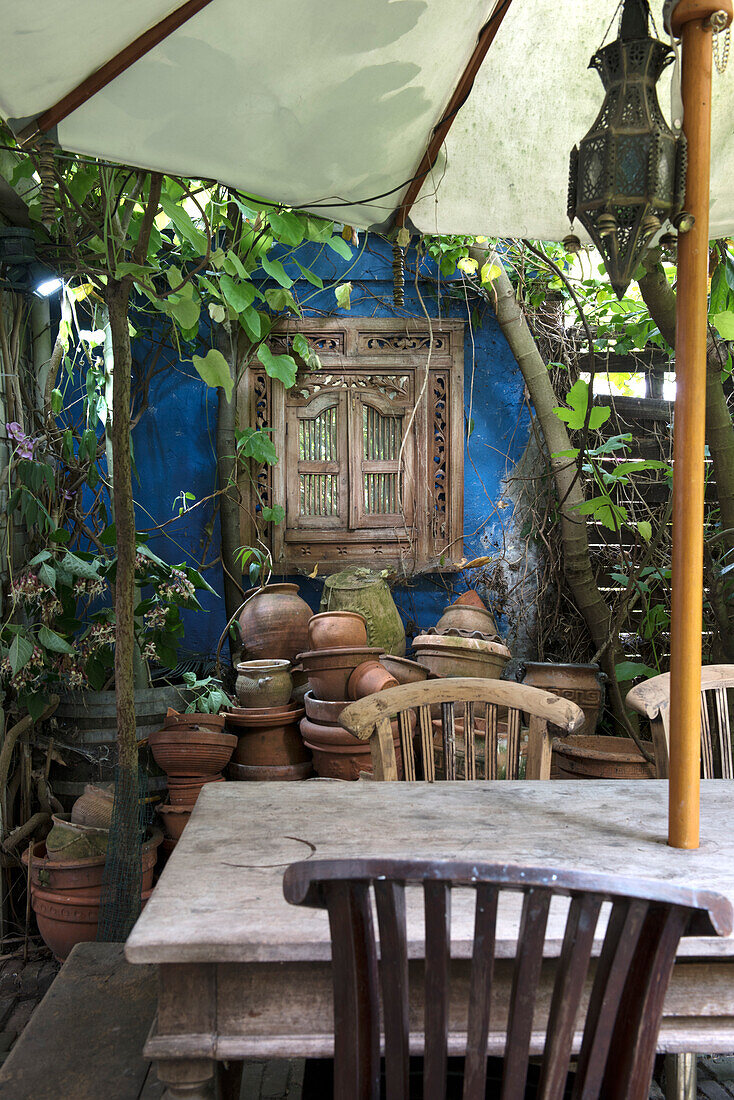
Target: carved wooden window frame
{"points": [[385, 358]]}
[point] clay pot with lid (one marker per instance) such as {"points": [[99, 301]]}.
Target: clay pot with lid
{"points": [[369, 678], [337, 630], [470, 598], [265, 683], [329, 669], [274, 623]]}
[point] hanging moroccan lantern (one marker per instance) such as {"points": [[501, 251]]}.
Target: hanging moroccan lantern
{"points": [[627, 176]]}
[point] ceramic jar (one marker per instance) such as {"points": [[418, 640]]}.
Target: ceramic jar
{"points": [[263, 683], [274, 623], [582, 684], [465, 619], [337, 629]]}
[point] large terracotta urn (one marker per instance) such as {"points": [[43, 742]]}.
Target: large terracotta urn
{"points": [[274, 623]]}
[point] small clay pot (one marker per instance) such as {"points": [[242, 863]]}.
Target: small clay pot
{"points": [[329, 669], [263, 683], [184, 792], [67, 919], [191, 752], [326, 711], [404, 671], [175, 819], [467, 619], [94, 807], [337, 629], [368, 678], [270, 773]]}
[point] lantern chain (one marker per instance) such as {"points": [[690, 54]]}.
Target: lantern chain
{"points": [[721, 59]]}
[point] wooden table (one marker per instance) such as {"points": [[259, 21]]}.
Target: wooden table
{"points": [[243, 974]]}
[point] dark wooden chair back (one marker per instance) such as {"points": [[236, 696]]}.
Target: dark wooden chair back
{"points": [[652, 699], [615, 1021], [480, 722]]}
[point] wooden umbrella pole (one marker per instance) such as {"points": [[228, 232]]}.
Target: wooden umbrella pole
{"points": [[691, 21]]}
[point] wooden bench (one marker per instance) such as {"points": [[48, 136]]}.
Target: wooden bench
{"points": [[85, 1039]]}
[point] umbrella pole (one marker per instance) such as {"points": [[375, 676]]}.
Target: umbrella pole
{"points": [[691, 22]]}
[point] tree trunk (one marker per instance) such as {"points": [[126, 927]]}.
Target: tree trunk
{"points": [[576, 560], [660, 299], [229, 498], [121, 896]]}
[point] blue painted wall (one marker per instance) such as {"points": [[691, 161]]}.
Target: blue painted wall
{"points": [[175, 450]]}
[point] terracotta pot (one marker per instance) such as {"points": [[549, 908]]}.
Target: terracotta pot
{"points": [[583, 757], [447, 656], [175, 819], [369, 678], [68, 841], [193, 721], [326, 711], [582, 684], [256, 712], [184, 792], [270, 773], [300, 686], [164, 852], [274, 623], [338, 754], [470, 598], [191, 752], [404, 671], [467, 619], [337, 629], [83, 877], [271, 742], [67, 919], [367, 592], [263, 684], [329, 669]]}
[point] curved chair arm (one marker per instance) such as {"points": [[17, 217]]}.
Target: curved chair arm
{"points": [[360, 718]]}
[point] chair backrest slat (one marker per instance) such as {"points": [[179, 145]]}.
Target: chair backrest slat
{"points": [[723, 723], [437, 988], [525, 978], [390, 904], [707, 741], [491, 741], [573, 966], [480, 992], [513, 744], [405, 729], [470, 762], [617, 1003], [426, 742], [448, 734]]}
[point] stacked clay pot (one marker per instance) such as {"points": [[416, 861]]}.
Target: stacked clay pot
{"points": [[67, 871], [192, 749], [341, 667], [269, 744]]}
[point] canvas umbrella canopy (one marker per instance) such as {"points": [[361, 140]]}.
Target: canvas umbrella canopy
{"points": [[451, 118]]}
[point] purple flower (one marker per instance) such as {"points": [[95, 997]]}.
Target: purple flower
{"points": [[24, 443]]}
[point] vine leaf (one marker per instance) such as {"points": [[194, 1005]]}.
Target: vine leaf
{"points": [[282, 367], [578, 403], [21, 651], [214, 370]]}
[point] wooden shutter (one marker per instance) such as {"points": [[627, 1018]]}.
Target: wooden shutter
{"points": [[316, 460], [378, 496]]}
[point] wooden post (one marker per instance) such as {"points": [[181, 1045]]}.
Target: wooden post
{"points": [[691, 21]]}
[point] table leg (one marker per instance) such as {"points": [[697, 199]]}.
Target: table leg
{"points": [[229, 1080], [680, 1077], [187, 1078]]}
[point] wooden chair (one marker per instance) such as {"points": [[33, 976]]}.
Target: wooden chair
{"points": [[652, 700], [483, 704], [616, 1032]]}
